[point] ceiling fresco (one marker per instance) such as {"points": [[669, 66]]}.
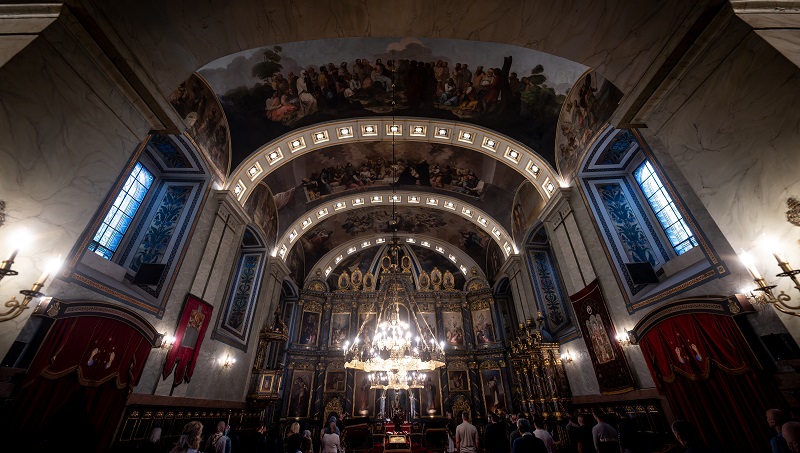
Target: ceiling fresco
{"points": [[261, 209], [353, 168], [336, 230], [270, 91], [525, 211]]}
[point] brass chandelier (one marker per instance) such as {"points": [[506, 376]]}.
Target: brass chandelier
{"points": [[396, 352]]}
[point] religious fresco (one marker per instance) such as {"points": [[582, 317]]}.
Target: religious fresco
{"points": [[430, 395], [267, 92], [309, 328], [363, 395], [296, 263], [352, 168], [361, 260], [528, 203], [588, 107], [453, 328], [459, 380], [260, 206], [300, 393], [484, 327], [494, 395], [340, 329], [336, 230], [200, 109]]}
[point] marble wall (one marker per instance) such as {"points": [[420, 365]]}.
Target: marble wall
{"points": [[734, 140], [66, 133]]}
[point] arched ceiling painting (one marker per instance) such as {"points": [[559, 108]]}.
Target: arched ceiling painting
{"points": [[475, 178], [525, 211], [269, 91], [338, 229], [261, 209]]}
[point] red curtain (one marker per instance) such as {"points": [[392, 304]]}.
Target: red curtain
{"points": [[703, 365], [80, 380]]}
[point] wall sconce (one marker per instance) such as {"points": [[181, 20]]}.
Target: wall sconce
{"points": [[766, 296], [623, 338], [15, 307], [167, 341], [566, 357], [227, 362]]}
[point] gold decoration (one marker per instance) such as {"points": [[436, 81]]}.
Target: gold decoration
{"points": [[424, 281], [334, 406], [311, 305], [369, 282], [355, 279], [489, 365], [461, 405], [456, 365], [436, 279], [480, 305], [344, 281], [449, 281]]}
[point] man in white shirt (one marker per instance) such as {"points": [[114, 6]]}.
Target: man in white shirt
{"points": [[543, 435], [466, 436]]}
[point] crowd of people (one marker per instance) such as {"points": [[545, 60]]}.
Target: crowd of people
{"points": [[504, 433], [417, 84], [348, 176]]}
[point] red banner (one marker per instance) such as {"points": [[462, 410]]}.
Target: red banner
{"points": [[189, 335], [608, 360]]}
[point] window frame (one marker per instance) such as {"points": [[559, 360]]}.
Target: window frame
{"points": [[125, 237], [691, 237]]}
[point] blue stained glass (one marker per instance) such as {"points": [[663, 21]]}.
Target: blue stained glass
{"points": [[119, 217], [671, 220]]}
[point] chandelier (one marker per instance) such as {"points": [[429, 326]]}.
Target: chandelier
{"points": [[395, 350]]}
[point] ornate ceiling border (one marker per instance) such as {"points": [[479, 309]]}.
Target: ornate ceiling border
{"points": [[400, 198], [296, 143]]}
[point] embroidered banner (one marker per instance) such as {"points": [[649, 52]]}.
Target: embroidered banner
{"points": [[188, 338], [610, 366]]}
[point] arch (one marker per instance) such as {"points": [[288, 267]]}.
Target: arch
{"points": [[401, 198], [331, 260], [287, 147]]}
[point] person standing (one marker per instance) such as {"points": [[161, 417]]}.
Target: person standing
{"points": [[775, 419], [791, 432], [527, 442], [466, 436], [543, 435], [330, 439], [495, 436], [585, 442], [605, 437], [219, 442], [190, 439]]}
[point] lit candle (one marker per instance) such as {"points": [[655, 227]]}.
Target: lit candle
{"points": [[754, 272], [779, 257], [52, 266], [748, 262]]}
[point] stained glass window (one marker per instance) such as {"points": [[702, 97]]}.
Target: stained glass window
{"points": [[109, 235], [671, 220]]}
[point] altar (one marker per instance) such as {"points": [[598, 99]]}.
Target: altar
{"points": [[397, 441]]}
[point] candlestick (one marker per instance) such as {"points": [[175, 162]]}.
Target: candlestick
{"points": [[754, 272], [779, 257]]}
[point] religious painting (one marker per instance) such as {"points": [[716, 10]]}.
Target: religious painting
{"points": [[260, 206], [392, 401], [608, 360], [300, 394], [340, 329], [334, 231], [484, 327], [430, 395], [528, 203], [309, 328], [367, 323], [192, 324], [495, 259], [296, 263], [266, 383], [335, 381], [269, 91], [427, 325], [458, 380], [588, 107], [200, 109], [363, 395], [453, 328], [494, 396]]}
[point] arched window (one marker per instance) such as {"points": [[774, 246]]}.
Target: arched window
{"points": [[119, 217], [671, 220]]}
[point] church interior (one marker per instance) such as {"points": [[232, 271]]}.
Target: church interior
{"points": [[396, 213]]}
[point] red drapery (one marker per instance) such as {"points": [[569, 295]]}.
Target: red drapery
{"points": [[703, 365], [80, 380]]}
